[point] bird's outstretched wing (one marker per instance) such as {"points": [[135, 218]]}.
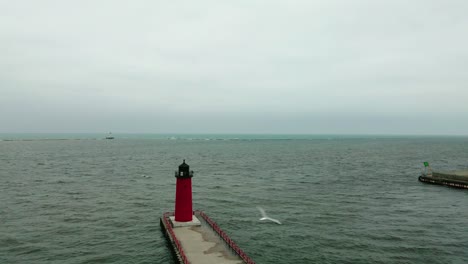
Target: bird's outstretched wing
{"points": [[262, 211], [276, 221], [265, 217]]}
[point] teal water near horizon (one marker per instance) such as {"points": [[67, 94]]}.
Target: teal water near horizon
{"points": [[180, 136], [342, 199]]}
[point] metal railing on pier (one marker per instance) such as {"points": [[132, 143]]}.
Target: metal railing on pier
{"points": [[225, 237], [174, 238], [215, 228]]}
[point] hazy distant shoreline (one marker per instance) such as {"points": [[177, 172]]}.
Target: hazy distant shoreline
{"points": [[207, 137]]}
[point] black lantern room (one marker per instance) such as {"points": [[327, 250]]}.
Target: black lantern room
{"points": [[184, 171]]}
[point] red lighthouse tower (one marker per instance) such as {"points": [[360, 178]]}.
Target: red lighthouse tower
{"points": [[183, 199]]}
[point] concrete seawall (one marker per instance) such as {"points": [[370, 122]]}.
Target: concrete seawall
{"points": [[456, 179]]}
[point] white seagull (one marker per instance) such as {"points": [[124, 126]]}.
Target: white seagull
{"points": [[266, 217]]}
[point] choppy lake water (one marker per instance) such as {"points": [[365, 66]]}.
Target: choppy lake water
{"points": [[341, 199]]}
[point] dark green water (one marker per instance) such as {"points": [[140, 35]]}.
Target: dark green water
{"points": [[341, 199]]}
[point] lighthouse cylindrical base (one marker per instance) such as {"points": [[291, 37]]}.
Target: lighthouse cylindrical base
{"points": [[183, 200]]}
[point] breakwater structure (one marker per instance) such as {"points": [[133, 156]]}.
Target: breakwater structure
{"points": [[193, 236], [456, 179]]}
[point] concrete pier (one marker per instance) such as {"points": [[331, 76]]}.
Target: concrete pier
{"points": [[193, 236], [456, 179], [201, 241]]}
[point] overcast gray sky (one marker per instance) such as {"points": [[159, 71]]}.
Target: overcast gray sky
{"points": [[331, 66]]}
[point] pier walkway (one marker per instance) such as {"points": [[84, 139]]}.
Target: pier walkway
{"points": [[201, 247], [204, 244]]}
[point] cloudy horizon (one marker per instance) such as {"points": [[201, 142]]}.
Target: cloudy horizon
{"points": [[302, 67]]}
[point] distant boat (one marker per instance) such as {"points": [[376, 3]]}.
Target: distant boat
{"points": [[110, 136]]}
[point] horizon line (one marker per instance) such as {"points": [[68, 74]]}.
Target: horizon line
{"points": [[244, 133]]}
